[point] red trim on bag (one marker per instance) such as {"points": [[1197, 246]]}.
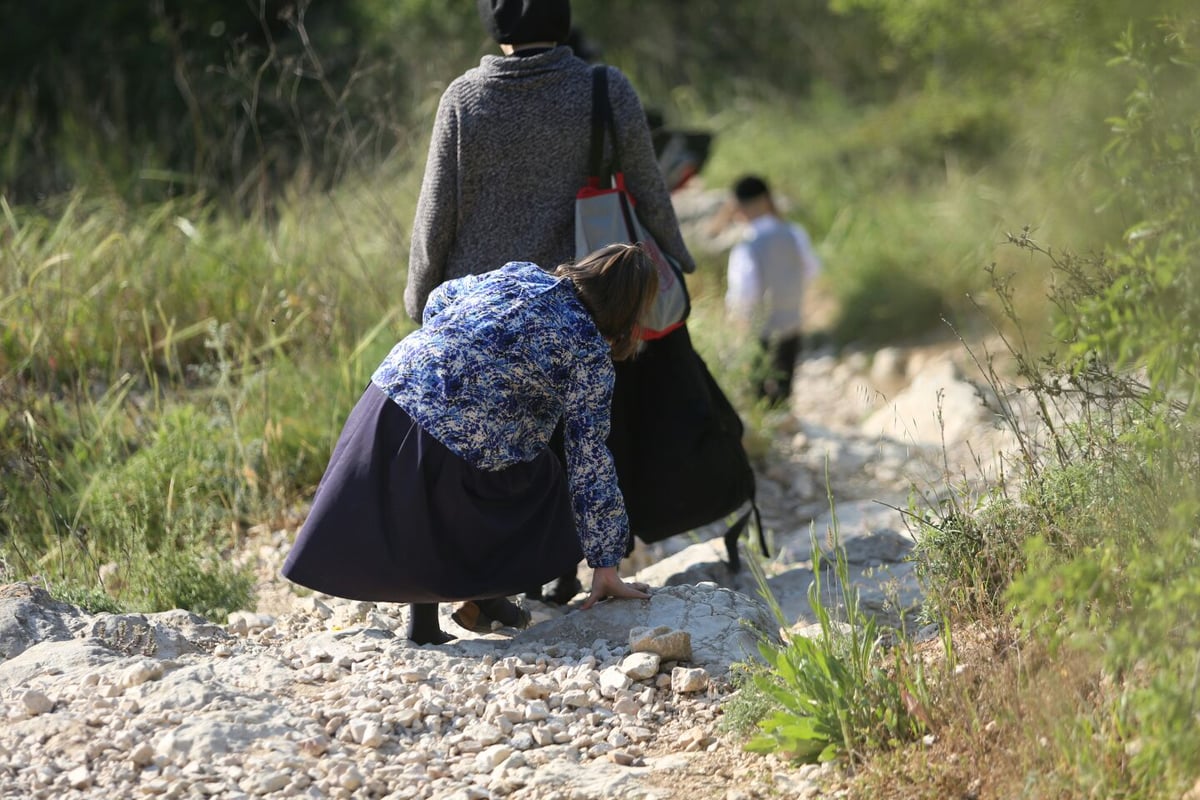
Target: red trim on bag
{"points": [[594, 189], [646, 334]]}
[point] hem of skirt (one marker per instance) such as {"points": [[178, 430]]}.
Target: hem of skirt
{"points": [[407, 595]]}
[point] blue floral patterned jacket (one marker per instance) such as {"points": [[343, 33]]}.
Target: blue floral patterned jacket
{"points": [[500, 357]]}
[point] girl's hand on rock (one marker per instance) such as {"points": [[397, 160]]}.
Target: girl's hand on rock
{"points": [[607, 583]]}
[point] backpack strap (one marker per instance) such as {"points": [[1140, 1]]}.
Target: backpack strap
{"points": [[735, 532]]}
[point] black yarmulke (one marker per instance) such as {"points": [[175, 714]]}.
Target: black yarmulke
{"points": [[749, 187], [523, 21]]}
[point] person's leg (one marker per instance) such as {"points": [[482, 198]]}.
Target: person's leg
{"points": [[478, 615], [778, 362], [783, 363], [504, 611], [423, 626], [764, 371]]}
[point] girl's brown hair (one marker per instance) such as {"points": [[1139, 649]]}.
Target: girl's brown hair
{"points": [[617, 284]]}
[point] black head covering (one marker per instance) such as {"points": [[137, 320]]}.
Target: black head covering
{"points": [[524, 21]]}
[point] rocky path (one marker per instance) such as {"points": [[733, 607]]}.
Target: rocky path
{"points": [[311, 696]]}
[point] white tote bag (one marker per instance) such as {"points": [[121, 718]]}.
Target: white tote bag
{"points": [[605, 214]]}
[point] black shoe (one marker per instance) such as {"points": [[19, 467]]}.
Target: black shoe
{"points": [[479, 615]]}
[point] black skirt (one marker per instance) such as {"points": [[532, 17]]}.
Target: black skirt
{"points": [[399, 518]]}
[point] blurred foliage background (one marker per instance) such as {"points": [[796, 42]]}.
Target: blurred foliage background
{"points": [[223, 95]]}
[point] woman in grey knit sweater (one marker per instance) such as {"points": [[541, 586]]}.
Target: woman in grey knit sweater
{"points": [[510, 150]]}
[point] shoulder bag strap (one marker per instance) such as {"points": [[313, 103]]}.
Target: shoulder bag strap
{"points": [[602, 122], [599, 119], [600, 86]]}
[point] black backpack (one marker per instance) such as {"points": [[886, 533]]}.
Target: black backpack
{"points": [[677, 444]]}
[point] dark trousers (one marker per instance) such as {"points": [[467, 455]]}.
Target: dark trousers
{"points": [[777, 365]]}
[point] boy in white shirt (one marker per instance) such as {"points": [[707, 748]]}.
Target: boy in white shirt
{"points": [[768, 271]]}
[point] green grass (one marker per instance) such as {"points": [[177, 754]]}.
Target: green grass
{"points": [[175, 374]]}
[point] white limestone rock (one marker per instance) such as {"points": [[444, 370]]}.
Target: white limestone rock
{"points": [[667, 644], [686, 680], [641, 666]]}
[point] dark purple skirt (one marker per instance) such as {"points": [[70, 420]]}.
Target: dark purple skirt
{"points": [[399, 518]]}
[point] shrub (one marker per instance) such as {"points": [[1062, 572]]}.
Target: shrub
{"points": [[1107, 508], [967, 557]]}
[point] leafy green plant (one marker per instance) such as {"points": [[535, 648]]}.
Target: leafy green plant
{"points": [[841, 692], [92, 599], [193, 577]]}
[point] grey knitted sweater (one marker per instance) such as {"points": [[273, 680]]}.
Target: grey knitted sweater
{"points": [[509, 151]]}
